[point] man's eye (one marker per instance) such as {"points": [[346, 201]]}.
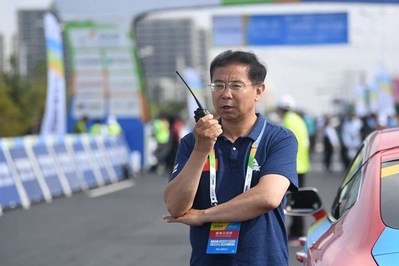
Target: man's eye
{"points": [[219, 87], [236, 86]]}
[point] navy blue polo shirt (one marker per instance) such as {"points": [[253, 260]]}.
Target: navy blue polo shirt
{"points": [[263, 239]]}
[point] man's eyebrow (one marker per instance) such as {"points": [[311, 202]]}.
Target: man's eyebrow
{"points": [[236, 80]]}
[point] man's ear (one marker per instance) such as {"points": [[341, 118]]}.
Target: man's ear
{"points": [[260, 89]]}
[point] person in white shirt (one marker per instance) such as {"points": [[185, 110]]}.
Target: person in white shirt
{"points": [[331, 142], [351, 137]]}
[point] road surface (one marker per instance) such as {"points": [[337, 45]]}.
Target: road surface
{"points": [[103, 228]]}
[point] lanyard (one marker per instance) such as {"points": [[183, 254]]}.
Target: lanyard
{"points": [[248, 176]]}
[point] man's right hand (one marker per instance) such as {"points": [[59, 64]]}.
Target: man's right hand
{"points": [[206, 131]]}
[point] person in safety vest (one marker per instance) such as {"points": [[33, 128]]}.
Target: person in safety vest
{"points": [[294, 122], [162, 135], [97, 128], [113, 127], [81, 125]]}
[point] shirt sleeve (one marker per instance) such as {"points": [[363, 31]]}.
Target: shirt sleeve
{"points": [[186, 146], [281, 156]]}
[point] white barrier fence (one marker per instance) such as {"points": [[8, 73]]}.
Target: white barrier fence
{"points": [[35, 169]]}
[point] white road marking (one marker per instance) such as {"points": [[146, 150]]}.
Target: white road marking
{"points": [[101, 191]]}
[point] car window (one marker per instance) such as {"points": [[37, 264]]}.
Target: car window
{"points": [[354, 166], [350, 193], [389, 193], [349, 190]]}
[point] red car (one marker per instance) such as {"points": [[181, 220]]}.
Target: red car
{"points": [[362, 227]]}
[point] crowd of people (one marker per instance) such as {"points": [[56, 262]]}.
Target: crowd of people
{"points": [[336, 137], [342, 135], [110, 126], [166, 130]]}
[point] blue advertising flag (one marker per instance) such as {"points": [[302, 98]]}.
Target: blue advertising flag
{"points": [[54, 118]]}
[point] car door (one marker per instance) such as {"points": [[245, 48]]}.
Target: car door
{"points": [[346, 197]]}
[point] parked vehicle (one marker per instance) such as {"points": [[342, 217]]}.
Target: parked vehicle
{"points": [[362, 226]]}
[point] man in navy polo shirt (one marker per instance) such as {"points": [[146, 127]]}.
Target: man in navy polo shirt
{"points": [[231, 175]]}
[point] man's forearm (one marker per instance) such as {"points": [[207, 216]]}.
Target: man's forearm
{"points": [[180, 192], [254, 202]]}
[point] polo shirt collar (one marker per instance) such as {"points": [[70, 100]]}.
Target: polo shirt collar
{"points": [[255, 132], [256, 129]]}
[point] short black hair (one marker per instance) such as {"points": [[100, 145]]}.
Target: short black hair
{"points": [[257, 71]]}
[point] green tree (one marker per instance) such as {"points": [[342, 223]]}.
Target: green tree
{"points": [[33, 99], [21, 101], [9, 113]]}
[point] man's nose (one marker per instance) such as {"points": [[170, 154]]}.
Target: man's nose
{"points": [[227, 92]]}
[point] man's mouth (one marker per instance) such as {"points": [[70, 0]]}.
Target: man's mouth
{"points": [[227, 107]]}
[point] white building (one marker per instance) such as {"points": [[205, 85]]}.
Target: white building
{"points": [[314, 74]]}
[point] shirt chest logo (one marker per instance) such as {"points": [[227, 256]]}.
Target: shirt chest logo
{"points": [[256, 166]]}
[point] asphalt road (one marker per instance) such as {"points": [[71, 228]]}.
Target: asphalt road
{"points": [[120, 228]]}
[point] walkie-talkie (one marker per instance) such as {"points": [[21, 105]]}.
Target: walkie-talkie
{"points": [[200, 112]]}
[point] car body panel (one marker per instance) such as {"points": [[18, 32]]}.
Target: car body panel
{"points": [[351, 234], [381, 140], [359, 236], [316, 230]]}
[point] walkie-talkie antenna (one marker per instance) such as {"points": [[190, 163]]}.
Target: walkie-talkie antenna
{"points": [[188, 87]]}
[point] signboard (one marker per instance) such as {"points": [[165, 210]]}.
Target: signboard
{"points": [[281, 29], [118, 154], [98, 159], [39, 153], [85, 165], [106, 79], [36, 189], [298, 29], [67, 164], [9, 197], [33, 169], [228, 30]]}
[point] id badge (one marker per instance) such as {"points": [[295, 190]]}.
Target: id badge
{"points": [[223, 238]]}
